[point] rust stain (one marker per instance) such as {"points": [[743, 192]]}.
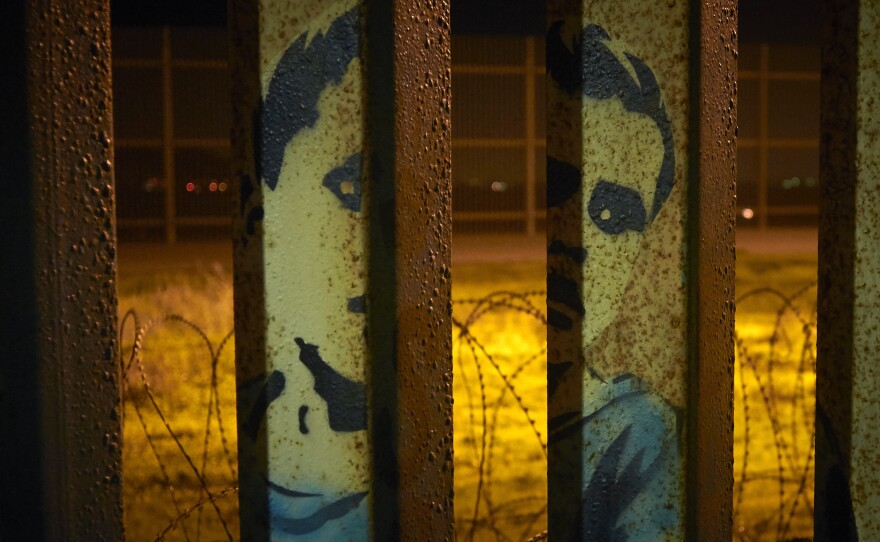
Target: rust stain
{"points": [[422, 180], [712, 268], [69, 115], [642, 324], [865, 477], [304, 260]]}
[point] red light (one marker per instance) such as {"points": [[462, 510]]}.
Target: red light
{"points": [[190, 187], [213, 186]]}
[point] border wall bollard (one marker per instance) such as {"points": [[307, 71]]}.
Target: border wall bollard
{"points": [[60, 449], [847, 375], [342, 287], [640, 169]]}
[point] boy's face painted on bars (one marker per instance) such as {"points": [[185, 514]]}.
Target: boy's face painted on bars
{"points": [[622, 153], [308, 415]]}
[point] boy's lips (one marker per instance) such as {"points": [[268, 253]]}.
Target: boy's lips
{"points": [[316, 520]]}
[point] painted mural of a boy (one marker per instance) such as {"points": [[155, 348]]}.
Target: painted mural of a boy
{"points": [[604, 193], [305, 418], [631, 445]]}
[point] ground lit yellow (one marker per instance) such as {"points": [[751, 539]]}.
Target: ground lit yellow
{"points": [[510, 363]]}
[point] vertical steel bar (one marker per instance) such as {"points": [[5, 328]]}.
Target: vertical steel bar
{"points": [[168, 139], [711, 243], [763, 133], [301, 266], [249, 288], [342, 289], [640, 169], [60, 458], [531, 131], [848, 379], [410, 310]]}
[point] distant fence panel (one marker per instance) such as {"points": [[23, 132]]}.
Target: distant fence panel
{"points": [[171, 85]]}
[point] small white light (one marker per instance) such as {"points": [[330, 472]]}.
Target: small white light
{"points": [[499, 186], [747, 213]]}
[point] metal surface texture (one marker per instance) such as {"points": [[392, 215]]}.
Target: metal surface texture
{"points": [[865, 476], [617, 184], [410, 309], [341, 293], [833, 512], [641, 152], [848, 380], [712, 268], [61, 457], [249, 297], [302, 407]]}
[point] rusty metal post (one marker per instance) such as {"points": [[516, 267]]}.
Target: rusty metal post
{"points": [[342, 289], [847, 375], [712, 268], [640, 168], [60, 459]]}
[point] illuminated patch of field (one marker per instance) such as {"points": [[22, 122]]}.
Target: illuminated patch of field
{"points": [[774, 406], [175, 361], [778, 405], [774, 403], [500, 401]]}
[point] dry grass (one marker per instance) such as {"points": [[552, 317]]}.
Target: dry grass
{"points": [[774, 391], [175, 361], [500, 397], [509, 406]]}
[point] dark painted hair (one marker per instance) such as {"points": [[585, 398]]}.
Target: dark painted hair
{"points": [[291, 104], [589, 66]]}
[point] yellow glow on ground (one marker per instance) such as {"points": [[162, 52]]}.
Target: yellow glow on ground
{"points": [[513, 493]]}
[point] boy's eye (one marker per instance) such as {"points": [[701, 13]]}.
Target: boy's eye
{"points": [[616, 209]]}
